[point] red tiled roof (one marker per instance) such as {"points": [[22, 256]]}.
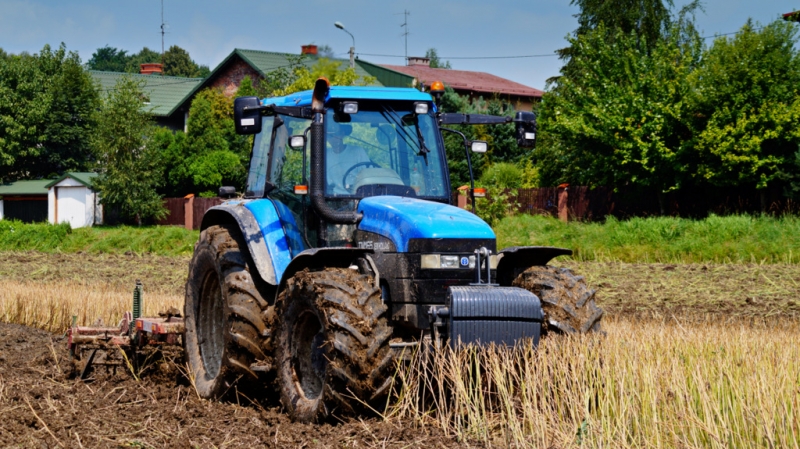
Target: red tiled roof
{"points": [[466, 80]]}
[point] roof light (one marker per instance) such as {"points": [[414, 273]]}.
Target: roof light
{"points": [[479, 146], [437, 86], [297, 142], [420, 107], [349, 107]]}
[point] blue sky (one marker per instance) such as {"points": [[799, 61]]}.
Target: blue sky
{"points": [[209, 30]]}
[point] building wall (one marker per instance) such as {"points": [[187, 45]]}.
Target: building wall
{"points": [[73, 202], [231, 76]]}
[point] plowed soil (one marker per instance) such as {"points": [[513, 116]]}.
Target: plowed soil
{"points": [[41, 406]]}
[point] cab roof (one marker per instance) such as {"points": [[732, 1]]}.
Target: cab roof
{"points": [[351, 93]]}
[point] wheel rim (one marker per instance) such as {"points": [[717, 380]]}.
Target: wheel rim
{"points": [[308, 354], [210, 325]]}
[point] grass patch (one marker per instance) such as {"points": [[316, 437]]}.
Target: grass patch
{"points": [[160, 240], [730, 239]]}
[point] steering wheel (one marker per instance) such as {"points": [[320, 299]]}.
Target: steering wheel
{"points": [[360, 164]]}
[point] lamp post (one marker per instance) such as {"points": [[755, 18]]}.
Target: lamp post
{"points": [[353, 48]]}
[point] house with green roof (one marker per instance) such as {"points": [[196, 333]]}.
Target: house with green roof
{"points": [[166, 95], [257, 64]]}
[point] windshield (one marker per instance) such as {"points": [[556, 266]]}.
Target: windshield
{"points": [[383, 149]]}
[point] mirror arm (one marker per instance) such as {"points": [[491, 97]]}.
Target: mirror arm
{"points": [[469, 164]]}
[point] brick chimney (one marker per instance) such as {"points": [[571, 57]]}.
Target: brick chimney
{"points": [[310, 49], [419, 60], [151, 68]]}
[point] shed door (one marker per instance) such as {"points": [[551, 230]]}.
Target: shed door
{"points": [[72, 206]]}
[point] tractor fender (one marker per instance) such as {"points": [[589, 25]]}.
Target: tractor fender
{"points": [[264, 259], [337, 257], [516, 259]]}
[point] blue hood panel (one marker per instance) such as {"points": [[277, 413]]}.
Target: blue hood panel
{"points": [[401, 219]]}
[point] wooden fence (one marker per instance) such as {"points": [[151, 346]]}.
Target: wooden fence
{"points": [[578, 203], [587, 204], [187, 212]]}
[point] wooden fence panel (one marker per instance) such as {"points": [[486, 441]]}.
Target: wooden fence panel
{"points": [[201, 205], [175, 212]]}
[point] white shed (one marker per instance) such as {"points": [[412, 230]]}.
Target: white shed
{"points": [[72, 199]]}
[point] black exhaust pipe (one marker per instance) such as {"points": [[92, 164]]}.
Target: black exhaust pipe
{"points": [[317, 160]]}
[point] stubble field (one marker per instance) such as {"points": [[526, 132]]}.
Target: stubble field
{"points": [[695, 355]]}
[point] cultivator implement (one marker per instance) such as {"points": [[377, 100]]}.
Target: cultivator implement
{"points": [[91, 346]]}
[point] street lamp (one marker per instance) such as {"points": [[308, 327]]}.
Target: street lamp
{"points": [[353, 48]]}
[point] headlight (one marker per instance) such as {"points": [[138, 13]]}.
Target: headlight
{"points": [[449, 261]]}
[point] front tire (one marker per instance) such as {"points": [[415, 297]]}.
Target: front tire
{"points": [[332, 346], [225, 330], [568, 303]]}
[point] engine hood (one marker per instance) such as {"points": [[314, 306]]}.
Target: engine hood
{"points": [[401, 219]]}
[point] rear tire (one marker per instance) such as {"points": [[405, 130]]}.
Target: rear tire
{"points": [[332, 346], [568, 303], [225, 330]]}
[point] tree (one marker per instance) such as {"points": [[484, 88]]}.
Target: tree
{"points": [[619, 116], [303, 78], [108, 59], [746, 107], [325, 51], [47, 104], [648, 20], [435, 62], [129, 164], [178, 63], [210, 154]]}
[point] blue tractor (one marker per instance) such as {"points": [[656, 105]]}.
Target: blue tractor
{"points": [[345, 250]]}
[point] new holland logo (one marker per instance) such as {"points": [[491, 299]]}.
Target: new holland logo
{"points": [[464, 261]]}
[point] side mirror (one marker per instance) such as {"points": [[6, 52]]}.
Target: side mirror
{"points": [[247, 115], [227, 192], [297, 142], [479, 146], [526, 129]]}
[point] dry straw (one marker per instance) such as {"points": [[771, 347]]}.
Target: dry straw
{"points": [[643, 385], [51, 305]]}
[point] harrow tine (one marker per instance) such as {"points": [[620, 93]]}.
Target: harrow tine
{"points": [[88, 364]]}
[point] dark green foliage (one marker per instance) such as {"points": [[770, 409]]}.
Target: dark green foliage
{"points": [[210, 154], [435, 61], [176, 60], [131, 168], [178, 63], [746, 112], [47, 104], [108, 59]]}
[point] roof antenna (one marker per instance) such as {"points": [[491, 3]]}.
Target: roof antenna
{"points": [[162, 33], [405, 33]]}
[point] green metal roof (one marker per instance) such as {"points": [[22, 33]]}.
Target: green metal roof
{"points": [[35, 187], [386, 76], [166, 92], [82, 177], [268, 61]]}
